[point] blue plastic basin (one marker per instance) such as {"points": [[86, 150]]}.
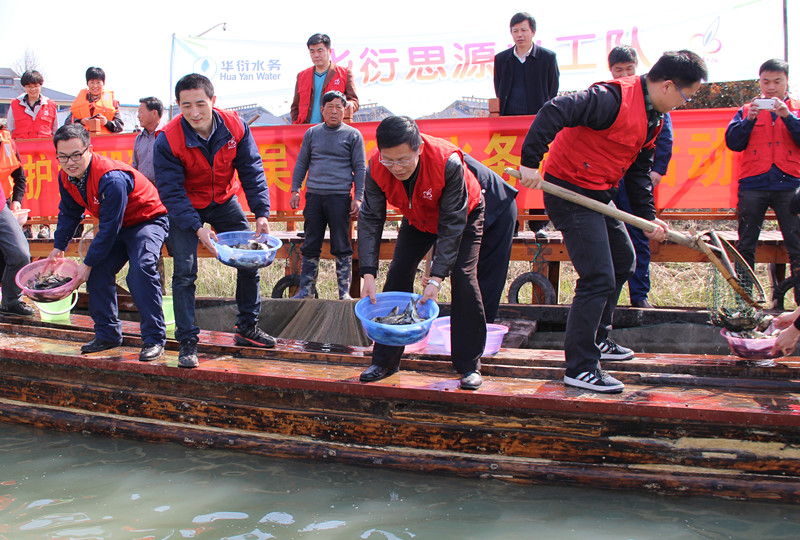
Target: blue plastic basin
{"points": [[246, 259], [395, 334]]}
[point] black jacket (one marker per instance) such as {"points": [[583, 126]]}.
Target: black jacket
{"points": [[541, 77], [596, 108], [498, 195]]}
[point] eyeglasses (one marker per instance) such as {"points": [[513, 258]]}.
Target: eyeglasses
{"points": [[678, 88], [72, 157], [388, 163]]}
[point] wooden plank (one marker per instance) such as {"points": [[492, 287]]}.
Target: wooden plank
{"points": [[306, 403]]}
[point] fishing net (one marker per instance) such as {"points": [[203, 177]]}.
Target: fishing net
{"points": [[735, 295]]}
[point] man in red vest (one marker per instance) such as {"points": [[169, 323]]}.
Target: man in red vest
{"points": [[442, 205], [202, 158], [602, 134], [322, 77], [766, 132], [132, 228]]}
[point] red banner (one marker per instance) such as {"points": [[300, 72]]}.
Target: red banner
{"points": [[702, 172]]}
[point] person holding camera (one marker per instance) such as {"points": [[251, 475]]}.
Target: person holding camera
{"points": [[766, 132]]}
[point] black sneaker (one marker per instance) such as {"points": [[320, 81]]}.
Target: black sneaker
{"points": [[20, 308], [597, 380], [253, 336], [611, 351], [187, 354]]}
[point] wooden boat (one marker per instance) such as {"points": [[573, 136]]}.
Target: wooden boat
{"points": [[686, 424]]}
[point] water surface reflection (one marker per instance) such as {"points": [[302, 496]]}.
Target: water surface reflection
{"points": [[72, 486]]}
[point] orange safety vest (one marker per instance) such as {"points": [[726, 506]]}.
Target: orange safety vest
{"points": [[305, 89], [771, 143], [598, 159], [83, 108], [423, 209], [8, 160]]}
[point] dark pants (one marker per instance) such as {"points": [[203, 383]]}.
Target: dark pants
{"points": [[332, 210], [15, 255], [466, 309], [140, 246], [752, 207], [603, 257], [639, 282], [493, 260], [224, 217]]}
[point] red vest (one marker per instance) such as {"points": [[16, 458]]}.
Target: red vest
{"points": [[595, 159], [771, 143], [8, 161], [26, 127], [305, 89], [143, 202], [83, 108], [203, 183], [423, 209]]}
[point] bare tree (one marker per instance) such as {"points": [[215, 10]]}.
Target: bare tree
{"points": [[28, 62]]}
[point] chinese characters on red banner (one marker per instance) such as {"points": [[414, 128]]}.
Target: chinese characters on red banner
{"points": [[702, 173]]}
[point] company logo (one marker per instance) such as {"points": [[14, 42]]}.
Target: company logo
{"points": [[708, 42], [205, 65], [428, 194], [231, 143]]}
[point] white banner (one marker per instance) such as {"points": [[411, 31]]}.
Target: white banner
{"points": [[419, 75]]}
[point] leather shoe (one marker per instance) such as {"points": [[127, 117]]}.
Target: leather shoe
{"points": [[471, 381], [375, 373], [644, 304], [150, 352], [97, 345]]}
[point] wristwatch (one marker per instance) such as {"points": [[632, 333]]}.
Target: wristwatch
{"points": [[437, 284]]}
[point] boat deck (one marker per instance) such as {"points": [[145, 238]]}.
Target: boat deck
{"points": [[698, 424]]}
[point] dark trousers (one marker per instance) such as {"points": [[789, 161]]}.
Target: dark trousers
{"points": [[15, 254], [332, 210], [224, 217], [639, 282], [140, 246], [493, 260], [466, 309], [752, 207], [603, 257]]}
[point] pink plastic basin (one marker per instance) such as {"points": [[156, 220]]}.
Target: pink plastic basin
{"points": [[494, 338], [753, 349], [62, 267]]}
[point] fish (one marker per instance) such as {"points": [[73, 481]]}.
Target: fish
{"points": [[252, 245], [43, 282], [410, 315]]}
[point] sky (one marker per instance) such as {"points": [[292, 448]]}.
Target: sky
{"points": [[132, 42]]}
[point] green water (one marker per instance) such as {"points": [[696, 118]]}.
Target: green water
{"points": [[73, 486]]}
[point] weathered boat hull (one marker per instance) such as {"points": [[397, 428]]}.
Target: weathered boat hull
{"points": [[685, 425]]}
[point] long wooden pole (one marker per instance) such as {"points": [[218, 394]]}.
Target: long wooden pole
{"points": [[694, 242]]}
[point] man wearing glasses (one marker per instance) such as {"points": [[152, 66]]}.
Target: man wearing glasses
{"points": [[440, 198], [601, 134], [132, 228], [332, 154]]}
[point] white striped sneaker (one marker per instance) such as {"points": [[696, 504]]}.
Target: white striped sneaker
{"points": [[597, 380], [611, 351]]}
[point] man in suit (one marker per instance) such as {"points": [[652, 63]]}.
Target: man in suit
{"points": [[525, 75]]}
